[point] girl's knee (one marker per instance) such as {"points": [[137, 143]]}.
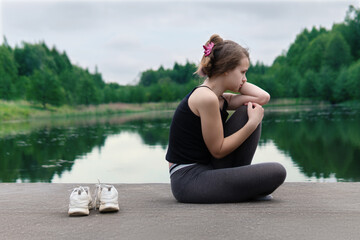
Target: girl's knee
{"points": [[280, 172], [241, 110]]}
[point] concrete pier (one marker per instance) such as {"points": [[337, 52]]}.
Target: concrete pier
{"points": [[149, 211]]}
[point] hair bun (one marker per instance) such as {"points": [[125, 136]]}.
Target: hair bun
{"points": [[220, 56], [216, 39]]}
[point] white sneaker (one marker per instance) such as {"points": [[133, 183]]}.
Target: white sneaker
{"points": [[80, 202], [106, 198]]}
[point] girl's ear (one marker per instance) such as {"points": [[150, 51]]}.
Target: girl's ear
{"points": [[226, 73]]}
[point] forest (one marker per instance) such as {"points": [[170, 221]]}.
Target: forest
{"points": [[321, 64]]}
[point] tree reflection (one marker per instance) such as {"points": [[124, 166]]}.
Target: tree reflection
{"points": [[321, 142], [37, 155]]}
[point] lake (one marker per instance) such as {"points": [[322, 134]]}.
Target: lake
{"points": [[315, 144]]}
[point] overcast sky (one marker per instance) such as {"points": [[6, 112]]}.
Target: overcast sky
{"points": [[123, 38]]}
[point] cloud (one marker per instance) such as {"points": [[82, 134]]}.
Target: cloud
{"points": [[1, 25], [125, 37], [123, 41]]}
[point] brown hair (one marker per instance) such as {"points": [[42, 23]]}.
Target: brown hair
{"points": [[225, 56]]}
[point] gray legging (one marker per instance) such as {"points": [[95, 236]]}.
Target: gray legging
{"points": [[231, 179]]}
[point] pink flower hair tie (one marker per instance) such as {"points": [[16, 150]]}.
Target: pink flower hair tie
{"points": [[208, 48]]}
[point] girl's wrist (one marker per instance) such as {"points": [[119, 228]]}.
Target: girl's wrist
{"points": [[252, 124]]}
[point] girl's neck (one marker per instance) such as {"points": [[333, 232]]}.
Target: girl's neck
{"points": [[215, 85]]}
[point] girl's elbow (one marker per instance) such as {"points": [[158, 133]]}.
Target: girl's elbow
{"points": [[218, 155], [264, 98]]}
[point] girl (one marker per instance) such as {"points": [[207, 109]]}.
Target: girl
{"points": [[209, 157]]}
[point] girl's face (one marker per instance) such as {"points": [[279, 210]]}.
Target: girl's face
{"points": [[237, 77]]}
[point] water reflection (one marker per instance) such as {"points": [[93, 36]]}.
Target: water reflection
{"points": [[44, 153], [124, 159], [313, 145], [324, 143]]}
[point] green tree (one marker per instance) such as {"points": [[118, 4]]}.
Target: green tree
{"points": [[22, 86], [352, 33], [327, 77], [45, 88], [341, 93], [110, 93], [8, 74], [68, 79], [309, 85], [353, 81], [148, 77], [86, 92], [61, 61], [297, 48], [29, 58], [287, 78], [313, 55], [182, 74], [98, 80], [337, 52]]}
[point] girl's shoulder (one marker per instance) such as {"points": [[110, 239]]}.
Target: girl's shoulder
{"points": [[205, 95], [203, 98]]}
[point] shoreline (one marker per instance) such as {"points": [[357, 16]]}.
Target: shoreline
{"points": [[18, 111]]}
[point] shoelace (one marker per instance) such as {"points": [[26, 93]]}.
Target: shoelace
{"points": [[99, 187], [97, 192], [79, 188]]}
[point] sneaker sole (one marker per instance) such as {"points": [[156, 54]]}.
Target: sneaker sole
{"points": [[109, 207], [78, 212]]}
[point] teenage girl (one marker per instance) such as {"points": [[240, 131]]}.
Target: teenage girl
{"points": [[209, 155]]}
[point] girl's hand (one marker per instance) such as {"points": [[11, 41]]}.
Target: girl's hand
{"points": [[255, 113]]}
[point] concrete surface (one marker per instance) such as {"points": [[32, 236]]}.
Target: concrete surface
{"points": [[148, 211]]}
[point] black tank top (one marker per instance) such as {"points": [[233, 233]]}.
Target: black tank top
{"points": [[186, 142]]}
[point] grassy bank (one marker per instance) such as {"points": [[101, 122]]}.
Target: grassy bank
{"points": [[280, 102], [304, 102], [23, 110]]}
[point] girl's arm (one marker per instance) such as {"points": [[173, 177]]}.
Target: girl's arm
{"points": [[248, 93], [206, 105]]}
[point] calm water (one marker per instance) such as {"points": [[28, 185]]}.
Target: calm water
{"points": [[314, 144]]}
